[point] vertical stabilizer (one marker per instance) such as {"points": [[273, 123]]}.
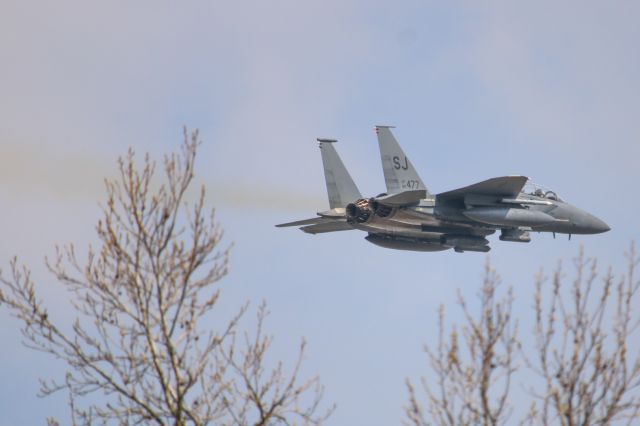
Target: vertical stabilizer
{"points": [[399, 173], [340, 186]]}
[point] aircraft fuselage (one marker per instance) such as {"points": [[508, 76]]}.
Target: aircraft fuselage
{"points": [[408, 217]]}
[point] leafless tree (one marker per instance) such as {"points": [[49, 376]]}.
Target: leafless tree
{"points": [[472, 372], [139, 341], [591, 375], [584, 349]]}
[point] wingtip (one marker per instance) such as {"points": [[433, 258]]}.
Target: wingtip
{"points": [[327, 140]]}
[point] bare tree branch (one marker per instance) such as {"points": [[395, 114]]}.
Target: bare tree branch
{"points": [[142, 298], [582, 336], [472, 381], [581, 352]]}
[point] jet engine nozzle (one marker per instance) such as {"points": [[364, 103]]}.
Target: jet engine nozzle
{"points": [[382, 210], [359, 212]]}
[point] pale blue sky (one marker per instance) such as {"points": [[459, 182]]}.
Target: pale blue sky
{"points": [[549, 90]]}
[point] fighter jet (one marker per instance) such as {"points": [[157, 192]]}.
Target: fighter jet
{"points": [[409, 217]]}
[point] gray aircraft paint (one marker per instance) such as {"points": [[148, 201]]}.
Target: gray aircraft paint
{"points": [[399, 173], [409, 218], [340, 186]]}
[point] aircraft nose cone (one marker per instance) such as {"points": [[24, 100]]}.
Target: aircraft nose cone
{"points": [[599, 226], [593, 225], [586, 223]]}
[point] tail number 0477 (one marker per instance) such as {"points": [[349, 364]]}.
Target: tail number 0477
{"points": [[410, 184]]}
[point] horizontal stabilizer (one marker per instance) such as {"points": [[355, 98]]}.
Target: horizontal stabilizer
{"points": [[332, 226], [337, 213], [405, 198], [312, 221], [506, 186]]}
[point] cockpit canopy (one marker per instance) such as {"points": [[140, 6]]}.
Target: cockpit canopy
{"points": [[540, 191]]}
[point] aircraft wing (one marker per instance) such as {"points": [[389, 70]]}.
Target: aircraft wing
{"points": [[320, 225], [505, 186], [303, 222], [332, 226]]}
